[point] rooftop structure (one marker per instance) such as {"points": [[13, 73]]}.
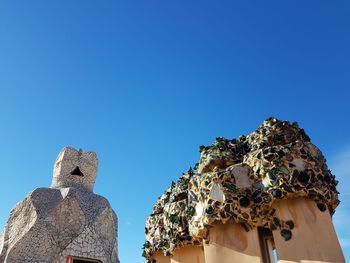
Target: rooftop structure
{"points": [[64, 223], [252, 199]]}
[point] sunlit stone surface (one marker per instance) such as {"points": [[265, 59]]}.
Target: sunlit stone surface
{"points": [[67, 219]]}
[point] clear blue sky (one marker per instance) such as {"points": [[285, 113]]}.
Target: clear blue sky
{"points": [[144, 83]]}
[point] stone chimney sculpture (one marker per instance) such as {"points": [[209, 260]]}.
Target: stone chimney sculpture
{"points": [[263, 197], [66, 222]]}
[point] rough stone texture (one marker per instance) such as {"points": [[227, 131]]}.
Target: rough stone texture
{"points": [[238, 181], [67, 219]]}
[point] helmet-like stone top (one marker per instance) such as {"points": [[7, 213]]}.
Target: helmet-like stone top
{"points": [[52, 225], [75, 168]]}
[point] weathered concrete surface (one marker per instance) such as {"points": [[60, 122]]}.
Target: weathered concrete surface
{"points": [[67, 219]]}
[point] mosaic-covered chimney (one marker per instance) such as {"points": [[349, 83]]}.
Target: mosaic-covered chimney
{"points": [[265, 197], [64, 223]]}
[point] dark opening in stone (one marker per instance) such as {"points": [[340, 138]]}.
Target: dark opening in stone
{"points": [[267, 244], [77, 172]]}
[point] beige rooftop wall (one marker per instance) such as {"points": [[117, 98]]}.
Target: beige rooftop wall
{"points": [[314, 238], [231, 243]]}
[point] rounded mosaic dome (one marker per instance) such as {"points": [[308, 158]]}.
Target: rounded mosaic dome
{"points": [[237, 181]]}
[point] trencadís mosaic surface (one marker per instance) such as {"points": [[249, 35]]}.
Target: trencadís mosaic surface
{"points": [[237, 181]]}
